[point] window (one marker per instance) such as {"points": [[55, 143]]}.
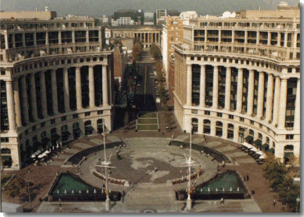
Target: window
{"points": [[26, 132], [75, 116], [252, 122], [63, 118], [4, 139], [207, 112], [33, 128], [289, 70], [231, 117], [220, 114], [42, 124], [242, 119], [53, 121], [289, 136], [87, 114], [100, 112]]}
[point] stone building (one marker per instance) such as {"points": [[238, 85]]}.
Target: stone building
{"points": [[56, 83], [239, 79]]}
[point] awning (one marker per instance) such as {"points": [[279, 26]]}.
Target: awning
{"points": [[270, 150], [249, 139], [265, 147], [258, 143], [54, 137]]}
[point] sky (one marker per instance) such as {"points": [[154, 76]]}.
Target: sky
{"points": [[108, 7]]}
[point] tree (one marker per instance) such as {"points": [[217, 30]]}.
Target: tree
{"points": [[155, 51], [14, 187], [137, 50], [159, 70]]}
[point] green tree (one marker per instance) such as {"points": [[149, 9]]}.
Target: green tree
{"points": [[137, 50], [155, 51], [159, 70]]}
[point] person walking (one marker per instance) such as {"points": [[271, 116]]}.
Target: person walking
{"points": [[222, 201], [274, 203]]}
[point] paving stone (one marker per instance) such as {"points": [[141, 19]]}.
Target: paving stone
{"points": [[82, 145], [198, 140], [96, 141], [71, 150], [182, 137], [113, 138], [236, 154], [213, 144], [224, 149], [246, 161]]}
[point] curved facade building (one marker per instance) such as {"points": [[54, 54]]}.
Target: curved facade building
{"points": [[56, 84], [239, 78]]}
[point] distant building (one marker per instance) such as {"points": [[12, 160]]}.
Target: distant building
{"points": [[41, 15], [149, 18], [136, 15], [161, 13], [188, 15], [123, 21]]}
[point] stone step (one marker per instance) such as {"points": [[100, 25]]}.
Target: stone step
{"points": [[82, 145], [182, 137], [213, 144], [113, 138], [236, 154], [97, 141], [198, 140], [225, 149], [71, 150]]}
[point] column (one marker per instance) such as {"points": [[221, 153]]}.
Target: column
{"points": [[212, 127], [297, 107], [24, 100], [215, 87], [261, 95], [232, 37], [99, 36], [219, 37], [78, 88], [228, 88], [23, 39], [14, 41], [46, 38], [33, 97], [276, 100], [239, 93], [189, 84], [250, 92], [225, 130], [54, 91], [294, 40], [17, 103], [6, 39], [203, 85], [269, 39], [91, 87], [73, 37], [87, 36], [206, 35], [282, 107], [10, 106], [35, 39], [285, 39], [279, 39], [246, 37], [269, 99], [66, 90], [105, 85], [43, 95], [59, 37], [258, 37]]}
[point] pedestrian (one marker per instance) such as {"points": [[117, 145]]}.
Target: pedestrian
{"points": [[202, 152], [274, 203], [247, 178], [155, 169], [222, 201]]}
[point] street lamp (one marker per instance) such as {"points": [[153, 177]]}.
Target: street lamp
{"points": [[28, 187], [189, 201], [298, 201]]}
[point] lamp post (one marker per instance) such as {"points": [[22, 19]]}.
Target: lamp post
{"points": [[28, 187], [298, 201], [189, 201]]}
